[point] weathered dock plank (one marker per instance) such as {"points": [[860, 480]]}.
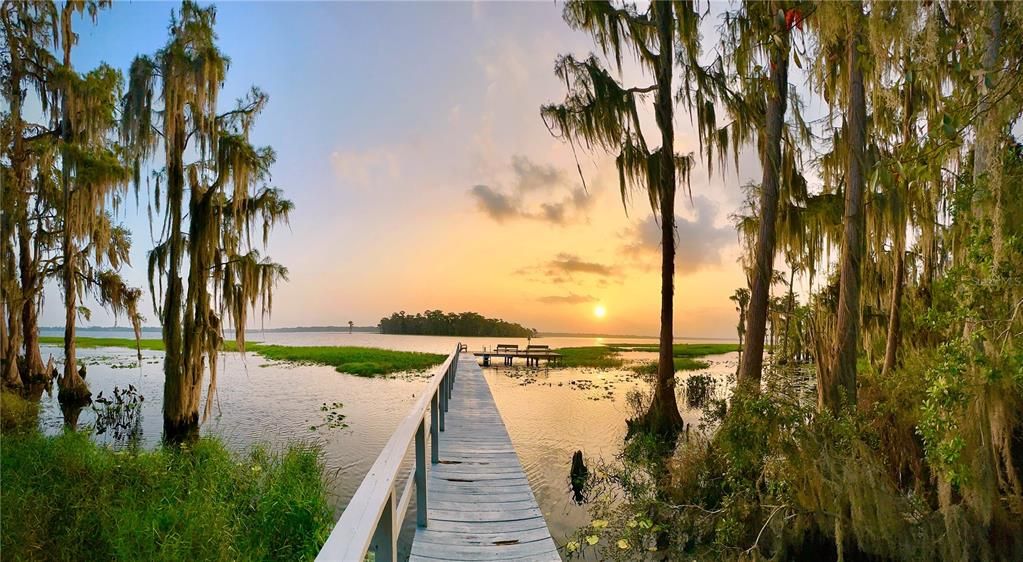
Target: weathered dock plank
{"points": [[480, 504]]}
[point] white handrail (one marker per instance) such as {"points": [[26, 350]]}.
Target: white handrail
{"points": [[373, 517]]}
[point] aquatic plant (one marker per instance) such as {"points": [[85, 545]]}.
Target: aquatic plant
{"points": [[121, 415]]}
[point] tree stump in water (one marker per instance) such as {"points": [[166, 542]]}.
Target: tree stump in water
{"points": [[578, 476]]}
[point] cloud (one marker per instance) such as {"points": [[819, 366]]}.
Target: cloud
{"points": [[533, 195], [570, 263], [570, 268], [495, 204], [570, 298], [699, 242]]}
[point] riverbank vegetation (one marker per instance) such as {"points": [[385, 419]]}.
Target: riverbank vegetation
{"points": [[886, 421], [439, 323], [64, 496], [363, 361]]}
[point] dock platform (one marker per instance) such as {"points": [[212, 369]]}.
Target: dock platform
{"points": [[532, 358]]}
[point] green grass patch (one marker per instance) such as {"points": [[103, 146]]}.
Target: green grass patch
{"points": [[681, 364], [362, 361], [680, 349], [87, 342], [591, 356], [65, 497]]}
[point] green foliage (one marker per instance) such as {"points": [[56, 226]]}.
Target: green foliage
{"points": [[64, 497], [437, 323], [944, 406]]}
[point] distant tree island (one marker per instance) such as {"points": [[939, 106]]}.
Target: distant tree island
{"points": [[439, 323]]}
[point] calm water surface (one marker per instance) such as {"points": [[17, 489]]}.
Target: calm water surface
{"points": [[550, 413]]}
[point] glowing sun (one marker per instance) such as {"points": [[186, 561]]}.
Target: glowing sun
{"points": [[599, 311]]}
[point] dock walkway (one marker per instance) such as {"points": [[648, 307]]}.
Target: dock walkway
{"points": [[481, 506], [473, 501]]}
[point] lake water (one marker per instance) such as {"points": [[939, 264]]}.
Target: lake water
{"points": [[550, 413]]}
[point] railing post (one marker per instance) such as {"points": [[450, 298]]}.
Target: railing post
{"points": [[449, 377], [434, 429], [421, 513], [443, 398], [444, 391], [385, 538]]}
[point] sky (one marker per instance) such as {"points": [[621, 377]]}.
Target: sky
{"points": [[409, 137]]}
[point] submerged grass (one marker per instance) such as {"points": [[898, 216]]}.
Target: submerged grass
{"points": [[362, 361], [65, 496]]}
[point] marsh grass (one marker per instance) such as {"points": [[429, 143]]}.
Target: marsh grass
{"points": [[362, 361], [598, 356], [65, 497], [681, 364], [606, 356], [680, 349]]}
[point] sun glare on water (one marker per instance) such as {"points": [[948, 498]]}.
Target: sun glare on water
{"points": [[599, 311]]}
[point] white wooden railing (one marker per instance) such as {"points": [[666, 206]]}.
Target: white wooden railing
{"points": [[373, 517]]}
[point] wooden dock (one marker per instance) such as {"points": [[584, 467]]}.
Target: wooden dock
{"points": [[473, 501], [532, 355]]}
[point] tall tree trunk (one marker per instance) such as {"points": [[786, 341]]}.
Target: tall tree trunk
{"points": [[894, 337], [73, 390], [838, 389], [788, 314], [26, 263], [180, 419], [928, 243], [894, 323], [30, 303], [663, 417], [986, 159], [770, 161], [11, 375], [9, 283]]}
